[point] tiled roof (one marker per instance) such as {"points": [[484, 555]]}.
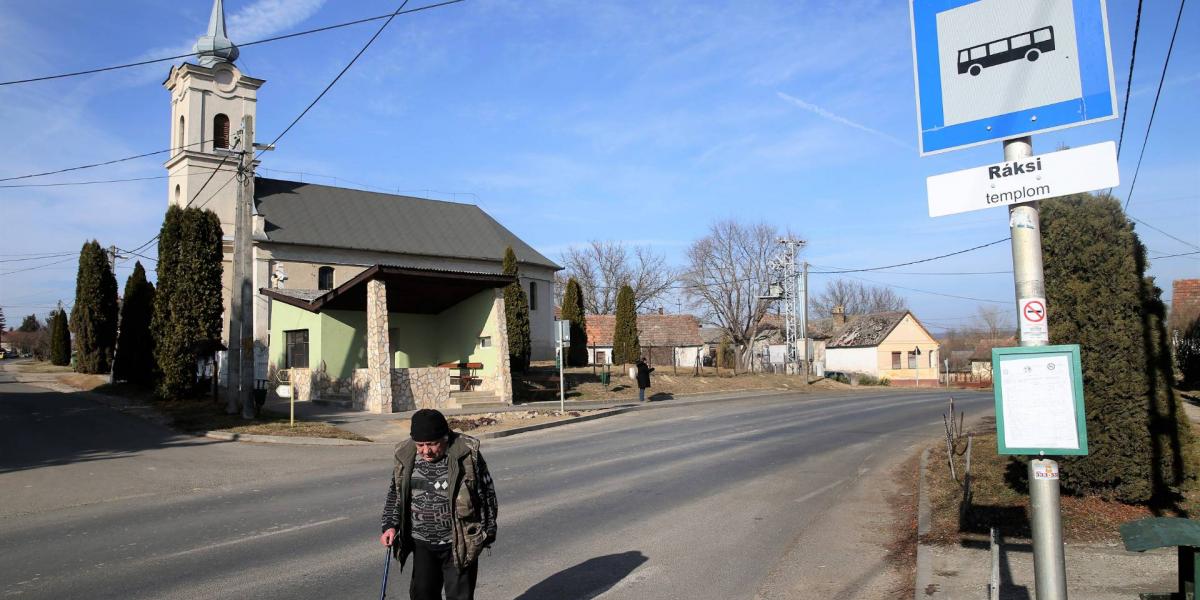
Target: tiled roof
{"points": [[865, 330], [817, 328], [653, 330], [321, 215]]}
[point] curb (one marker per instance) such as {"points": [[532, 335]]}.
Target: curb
{"points": [[514, 431], [230, 436], [924, 515]]}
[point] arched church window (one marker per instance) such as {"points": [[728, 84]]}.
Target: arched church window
{"points": [[220, 131], [325, 278], [177, 193], [180, 137]]}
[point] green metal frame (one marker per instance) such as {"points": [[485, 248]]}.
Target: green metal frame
{"points": [[1071, 351]]}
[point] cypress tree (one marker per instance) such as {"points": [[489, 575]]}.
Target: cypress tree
{"points": [[187, 303], [94, 315], [60, 338], [135, 345], [516, 313], [572, 310], [626, 348], [1140, 442]]}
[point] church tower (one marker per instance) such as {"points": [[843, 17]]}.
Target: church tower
{"points": [[208, 104]]}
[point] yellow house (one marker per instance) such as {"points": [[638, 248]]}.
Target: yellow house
{"points": [[892, 345]]}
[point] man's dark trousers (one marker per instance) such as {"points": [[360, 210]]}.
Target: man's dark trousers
{"points": [[433, 570]]}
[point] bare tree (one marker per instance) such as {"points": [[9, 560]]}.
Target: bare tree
{"points": [[995, 321], [857, 299], [602, 267], [727, 271]]}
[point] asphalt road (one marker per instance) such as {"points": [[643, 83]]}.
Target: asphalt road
{"points": [[698, 501]]}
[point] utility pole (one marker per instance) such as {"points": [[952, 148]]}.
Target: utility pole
{"points": [[240, 360], [804, 322], [791, 293], [1049, 560], [112, 264]]}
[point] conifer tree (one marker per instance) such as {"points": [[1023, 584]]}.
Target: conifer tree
{"points": [[626, 348], [572, 310], [1140, 443], [187, 303], [135, 345], [516, 313], [60, 337], [94, 315]]}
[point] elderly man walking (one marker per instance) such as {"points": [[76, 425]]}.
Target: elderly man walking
{"points": [[441, 508]]}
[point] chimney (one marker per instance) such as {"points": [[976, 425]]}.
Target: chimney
{"points": [[839, 316]]}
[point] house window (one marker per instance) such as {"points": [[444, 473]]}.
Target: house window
{"points": [[220, 131], [895, 360], [601, 357], [532, 295], [485, 342], [296, 354], [325, 278], [912, 360]]}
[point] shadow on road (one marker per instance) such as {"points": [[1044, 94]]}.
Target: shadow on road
{"points": [[587, 579], [44, 428]]}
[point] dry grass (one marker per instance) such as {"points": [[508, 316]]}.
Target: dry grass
{"points": [[541, 383], [81, 381], [39, 366], [902, 549], [1000, 499]]}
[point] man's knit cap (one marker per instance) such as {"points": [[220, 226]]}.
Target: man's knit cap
{"points": [[429, 425]]}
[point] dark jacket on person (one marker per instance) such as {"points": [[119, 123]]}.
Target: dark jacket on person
{"points": [[643, 374], [473, 506]]}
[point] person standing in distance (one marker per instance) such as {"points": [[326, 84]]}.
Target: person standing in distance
{"points": [[441, 508], [643, 377]]}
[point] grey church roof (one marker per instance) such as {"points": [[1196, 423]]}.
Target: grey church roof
{"points": [[321, 215]]}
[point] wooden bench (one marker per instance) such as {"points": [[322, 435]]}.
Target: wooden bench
{"points": [[467, 378], [1164, 532]]}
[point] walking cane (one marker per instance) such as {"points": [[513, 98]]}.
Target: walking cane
{"points": [[387, 565]]}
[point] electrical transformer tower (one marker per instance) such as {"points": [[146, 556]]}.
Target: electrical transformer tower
{"points": [[792, 297]]}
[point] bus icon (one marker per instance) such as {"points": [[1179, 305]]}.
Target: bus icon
{"points": [[1029, 45]]}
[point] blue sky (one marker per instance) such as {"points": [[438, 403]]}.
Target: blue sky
{"points": [[570, 121]]}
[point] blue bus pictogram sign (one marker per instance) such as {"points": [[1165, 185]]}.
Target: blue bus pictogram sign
{"points": [[990, 70]]}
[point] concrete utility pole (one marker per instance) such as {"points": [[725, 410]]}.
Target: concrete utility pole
{"points": [[1049, 560], [240, 360], [112, 264], [804, 321]]}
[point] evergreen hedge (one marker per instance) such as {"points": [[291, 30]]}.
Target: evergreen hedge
{"points": [[626, 348], [1140, 442], [516, 313], [60, 338], [94, 315], [135, 344], [572, 310], [187, 303]]}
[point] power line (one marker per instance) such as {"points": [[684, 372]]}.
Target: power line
{"points": [[256, 42], [71, 183], [913, 262], [40, 266], [1154, 107], [101, 164], [1180, 240], [1174, 255], [48, 256], [1137, 24], [925, 291]]}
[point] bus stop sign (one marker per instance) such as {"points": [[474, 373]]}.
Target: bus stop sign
{"points": [[990, 70]]}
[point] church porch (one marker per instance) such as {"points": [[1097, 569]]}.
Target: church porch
{"points": [[393, 339]]}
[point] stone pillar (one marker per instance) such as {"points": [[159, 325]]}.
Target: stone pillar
{"points": [[503, 370], [379, 362]]}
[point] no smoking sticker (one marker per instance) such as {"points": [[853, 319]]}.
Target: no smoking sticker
{"points": [[1032, 313]]}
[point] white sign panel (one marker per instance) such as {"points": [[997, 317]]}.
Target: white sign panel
{"points": [[996, 69], [1039, 403], [1069, 171], [1032, 313], [562, 332]]}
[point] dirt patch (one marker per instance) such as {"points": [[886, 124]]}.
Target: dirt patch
{"points": [[301, 429], [39, 366], [80, 381], [902, 549], [499, 421], [999, 499], [540, 382]]}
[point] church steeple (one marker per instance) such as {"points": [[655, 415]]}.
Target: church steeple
{"points": [[215, 47]]}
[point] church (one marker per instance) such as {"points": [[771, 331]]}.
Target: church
{"points": [[383, 302]]}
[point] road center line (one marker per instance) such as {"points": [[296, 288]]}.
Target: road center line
{"points": [[256, 536]]}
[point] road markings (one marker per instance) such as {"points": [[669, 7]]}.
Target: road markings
{"points": [[256, 536], [819, 491]]}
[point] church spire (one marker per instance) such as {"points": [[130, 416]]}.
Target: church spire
{"points": [[214, 47]]}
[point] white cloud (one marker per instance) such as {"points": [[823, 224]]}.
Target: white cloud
{"points": [[825, 114], [268, 17]]}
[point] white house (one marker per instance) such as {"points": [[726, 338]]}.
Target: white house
{"points": [[664, 339]]}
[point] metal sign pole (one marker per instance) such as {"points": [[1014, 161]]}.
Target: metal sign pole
{"points": [[1049, 560], [562, 387]]}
